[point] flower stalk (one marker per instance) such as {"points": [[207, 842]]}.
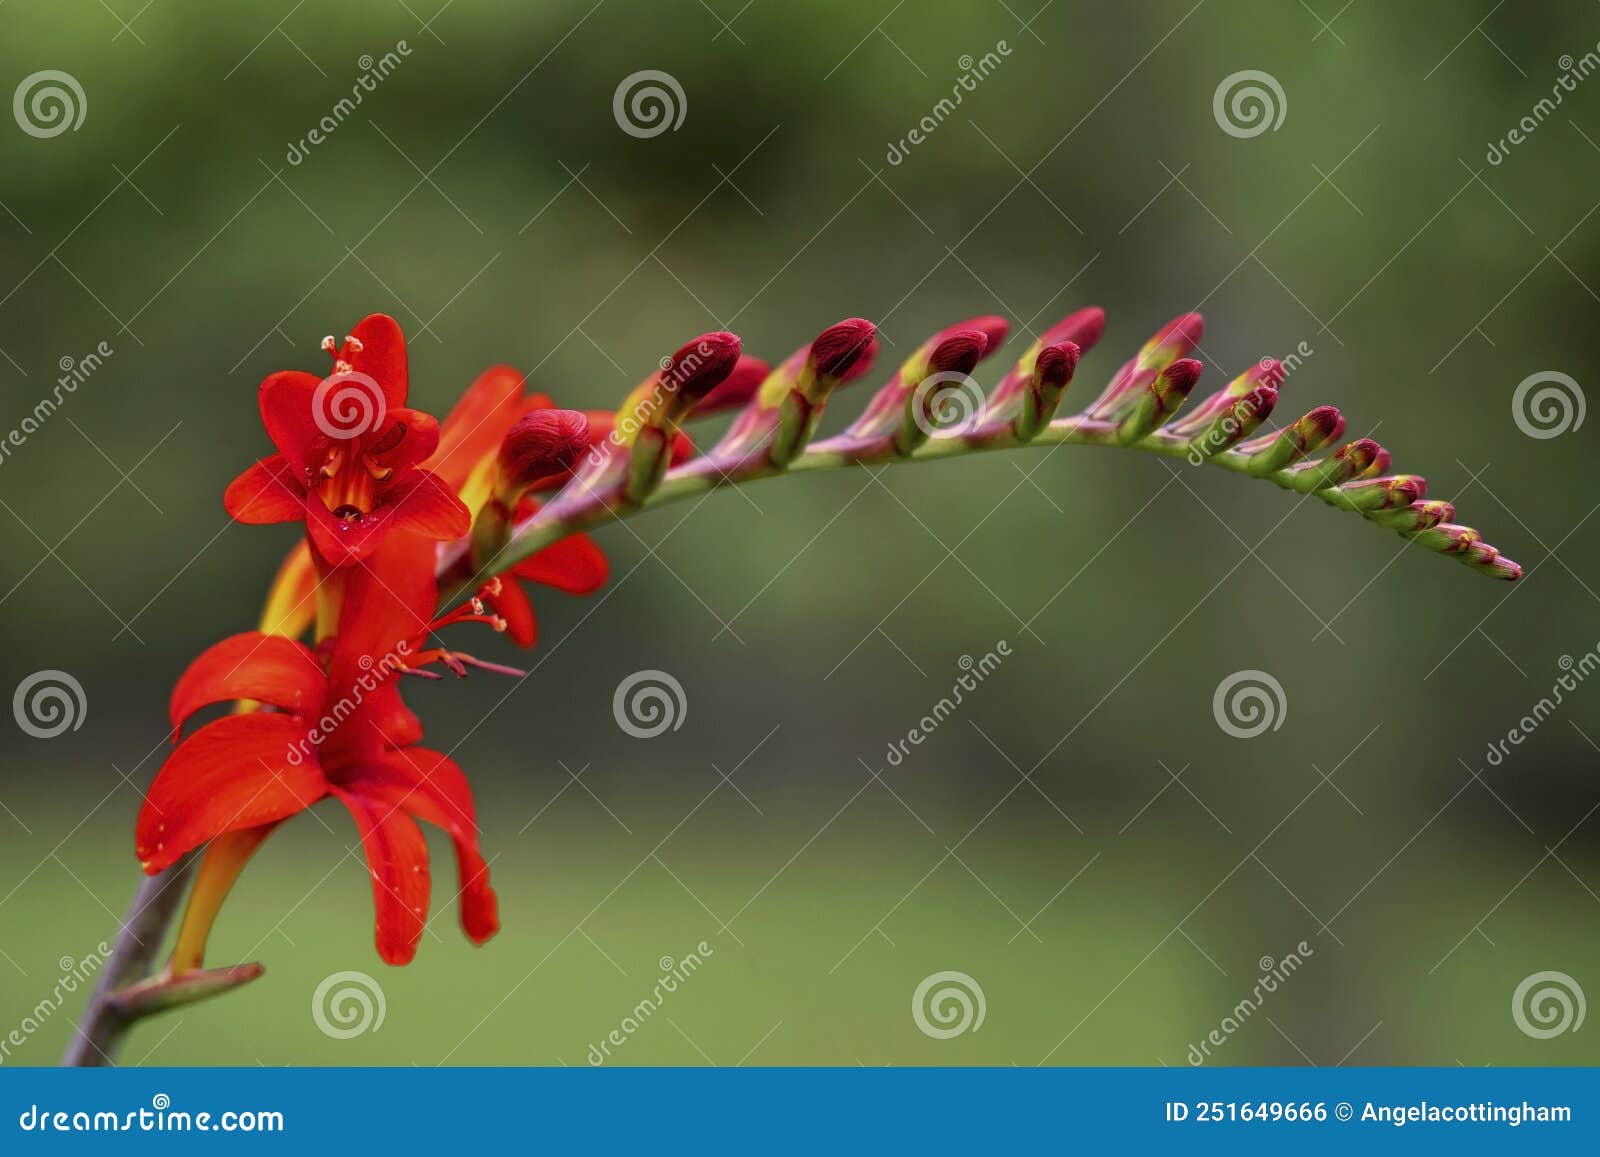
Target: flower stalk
{"points": [[502, 493]]}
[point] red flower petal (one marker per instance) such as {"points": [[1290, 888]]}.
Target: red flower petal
{"points": [[423, 504], [233, 773], [403, 439], [387, 602], [251, 665], [474, 427], [512, 605], [342, 543], [432, 787], [573, 564], [286, 411], [397, 855], [382, 356], [270, 490], [388, 605]]}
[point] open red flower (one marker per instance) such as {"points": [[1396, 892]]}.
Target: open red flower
{"points": [[348, 452], [337, 727]]}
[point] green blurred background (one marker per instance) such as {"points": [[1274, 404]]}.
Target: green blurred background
{"points": [[486, 196]]}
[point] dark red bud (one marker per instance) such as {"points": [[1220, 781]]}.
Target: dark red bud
{"points": [[542, 443], [1181, 376], [1056, 363], [1326, 422], [958, 352], [842, 347], [702, 364], [1360, 454]]}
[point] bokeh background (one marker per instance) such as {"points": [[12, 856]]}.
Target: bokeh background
{"points": [[486, 195]]}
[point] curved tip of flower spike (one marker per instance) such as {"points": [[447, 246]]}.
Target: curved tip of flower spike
{"points": [[845, 347], [1501, 567], [166, 990]]}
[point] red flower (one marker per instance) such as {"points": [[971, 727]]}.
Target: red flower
{"points": [[339, 729], [348, 452]]}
